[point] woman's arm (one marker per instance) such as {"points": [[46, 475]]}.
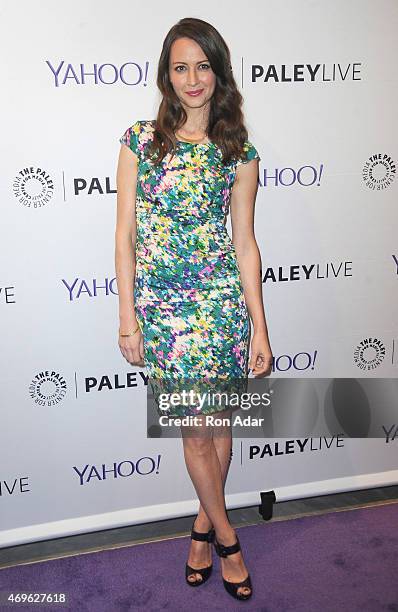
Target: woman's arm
{"points": [[242, 203], [125, 241]]}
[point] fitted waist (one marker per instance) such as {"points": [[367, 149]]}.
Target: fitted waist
{"points": [[188, 215], [146, 290]]}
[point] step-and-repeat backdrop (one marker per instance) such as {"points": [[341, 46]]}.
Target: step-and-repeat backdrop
{"points": [[320, 87]]}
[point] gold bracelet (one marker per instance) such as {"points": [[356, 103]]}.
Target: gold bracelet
{"points": [[128, 335]]}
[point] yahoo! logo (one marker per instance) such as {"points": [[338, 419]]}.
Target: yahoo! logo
{"points": [[123, 469], [300, 361], [391, 433], [90, 288], [306, 176], [129, 73], [296, 73]]}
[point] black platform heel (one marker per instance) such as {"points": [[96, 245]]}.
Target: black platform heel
{"points": [[205, 572], [232, 587]]}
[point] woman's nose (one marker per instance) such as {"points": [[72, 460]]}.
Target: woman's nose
{"points": [[192, 77]]}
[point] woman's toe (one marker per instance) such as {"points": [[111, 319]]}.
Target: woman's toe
{"points": [[194, 577], [244, 590]]}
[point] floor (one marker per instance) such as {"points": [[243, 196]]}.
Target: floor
{"points": [[135, 534]]}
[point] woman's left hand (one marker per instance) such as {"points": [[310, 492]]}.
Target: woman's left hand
{"points": [[260, 354]]}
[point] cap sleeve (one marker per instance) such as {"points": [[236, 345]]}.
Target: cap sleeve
{"points": [[251, 153], [131, 137]]}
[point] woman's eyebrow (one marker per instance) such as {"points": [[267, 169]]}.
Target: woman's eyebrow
{"points": [[200, 62]]}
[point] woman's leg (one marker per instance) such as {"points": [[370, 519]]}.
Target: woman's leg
{"points": [[208, 475], [222, 438]]}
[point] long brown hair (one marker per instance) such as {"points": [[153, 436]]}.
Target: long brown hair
{"points": [[226, 124]]}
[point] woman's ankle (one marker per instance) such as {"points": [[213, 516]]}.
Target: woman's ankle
{"points": [[226, 536], [202, 525]]}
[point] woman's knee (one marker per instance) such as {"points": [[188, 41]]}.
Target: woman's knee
{"points": [[199, 444]]}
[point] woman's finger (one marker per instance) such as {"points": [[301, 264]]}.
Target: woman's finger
{"points": [[255, 360], [259, 364], [130, 355]]}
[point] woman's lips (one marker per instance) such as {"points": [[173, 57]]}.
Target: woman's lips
{"points": [[194, 93]]}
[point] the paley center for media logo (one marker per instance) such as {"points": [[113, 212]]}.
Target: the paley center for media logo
{"points": [[379, 171], [33, 187], [47, 388]]}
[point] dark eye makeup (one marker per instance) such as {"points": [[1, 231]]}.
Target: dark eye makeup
{"points": [[203, 64]]}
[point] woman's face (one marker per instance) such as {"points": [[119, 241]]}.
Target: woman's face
{"points": [[190, 73]]}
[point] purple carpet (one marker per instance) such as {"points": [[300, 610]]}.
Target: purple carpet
{"points": [[340, 561]]}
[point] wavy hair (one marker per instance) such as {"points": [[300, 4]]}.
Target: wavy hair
{"points": [[226, 126]]}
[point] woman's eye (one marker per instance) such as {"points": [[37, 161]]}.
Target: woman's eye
{"points": [[202, 66]]}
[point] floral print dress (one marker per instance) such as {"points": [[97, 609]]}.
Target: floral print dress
{"points": [[188, 294]]}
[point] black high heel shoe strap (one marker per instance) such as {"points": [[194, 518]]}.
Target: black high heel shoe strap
{"points": [[205, 572], [246, 582], [202, 537], [233, 587], [224, 551]]}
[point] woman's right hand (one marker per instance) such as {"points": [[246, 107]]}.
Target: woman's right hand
{"points": [[132, 348]]}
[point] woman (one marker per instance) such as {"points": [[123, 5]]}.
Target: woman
{"points": [[185, 289]]}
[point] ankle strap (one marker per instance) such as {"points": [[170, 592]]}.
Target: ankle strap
{"points": [[203, 537], [224, 551]]}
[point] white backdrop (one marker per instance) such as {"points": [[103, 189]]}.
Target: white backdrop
{"points": [[320, 86]]}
